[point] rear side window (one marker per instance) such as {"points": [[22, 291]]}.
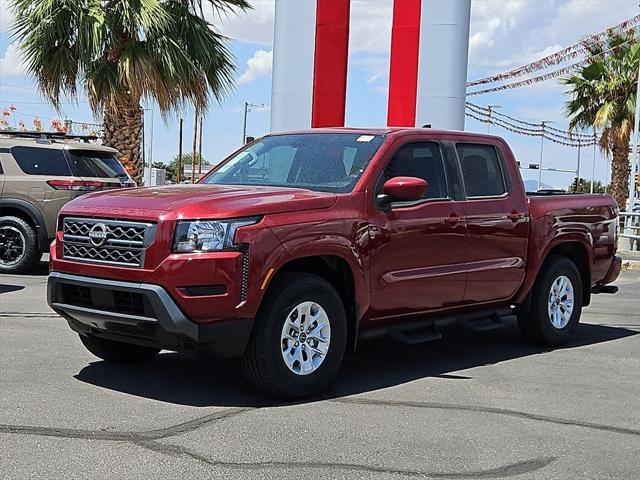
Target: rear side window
{"points": [[421, 160], [481, 170], [89, 163], [41, 161]]}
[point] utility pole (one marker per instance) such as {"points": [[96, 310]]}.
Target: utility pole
{"points": [[179, 170], [578, 172], [244, 123], [543, 124], [194, 152], [491, 108], [200, 149], [634, 163], [150, 146], [247, 108], [593, 167]]}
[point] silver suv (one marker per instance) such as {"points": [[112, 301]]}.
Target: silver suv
{"points": [[39, 173]]}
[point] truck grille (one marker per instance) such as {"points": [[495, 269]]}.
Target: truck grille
{"points": [[106, 241]]}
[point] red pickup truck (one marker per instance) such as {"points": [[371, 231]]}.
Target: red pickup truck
{"points": [[301, 244]]}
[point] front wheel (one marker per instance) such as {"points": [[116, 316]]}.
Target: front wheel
{"points": [[299, 338], [117, 352], [556, 303]]}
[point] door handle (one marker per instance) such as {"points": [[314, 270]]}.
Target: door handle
{"points": [[452, 219], [513, 216]]}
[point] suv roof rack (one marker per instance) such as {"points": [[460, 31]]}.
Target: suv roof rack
{"points": [[48, 135]]}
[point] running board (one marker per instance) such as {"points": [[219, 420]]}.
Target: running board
{"points": [[611, 289], [482, 324], [419, 331], [416, 335]]}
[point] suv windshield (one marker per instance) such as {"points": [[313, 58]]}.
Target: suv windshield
{"points": [[91, 163], [330, 162]]}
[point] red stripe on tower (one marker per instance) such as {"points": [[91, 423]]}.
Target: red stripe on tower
{"points": [[403, 74], [330, 63]]}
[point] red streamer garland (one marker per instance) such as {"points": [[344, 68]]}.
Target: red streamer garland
{"points": [[558, 57]]}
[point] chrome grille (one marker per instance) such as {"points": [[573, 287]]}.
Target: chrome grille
{"points": [[106, 241]]}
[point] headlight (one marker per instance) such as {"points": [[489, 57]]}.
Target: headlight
{"points": [[207, 235]]}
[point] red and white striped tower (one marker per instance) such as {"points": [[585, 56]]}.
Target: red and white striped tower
{"points": [[428, 63]]}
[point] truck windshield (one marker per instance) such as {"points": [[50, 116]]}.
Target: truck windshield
{"points": [[91, 163], [331, 162]]}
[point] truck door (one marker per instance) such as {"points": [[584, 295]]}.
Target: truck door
{"points": [[418, 253], [497, 223]]}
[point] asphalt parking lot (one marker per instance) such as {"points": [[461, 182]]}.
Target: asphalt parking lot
{"points": [[469, 406]]}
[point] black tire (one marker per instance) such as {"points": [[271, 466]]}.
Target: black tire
{"points": [[17, 237], [536, 325], [117, 352], [263, 363]]}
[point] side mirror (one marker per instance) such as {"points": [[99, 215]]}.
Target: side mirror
{"points": [[403, 189]]}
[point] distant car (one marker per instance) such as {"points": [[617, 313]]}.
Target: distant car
{"points": [[38, 175]]}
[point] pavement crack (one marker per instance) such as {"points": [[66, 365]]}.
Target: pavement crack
{"points": [[193, 424], [490, 410], [504, 471], [143, 436]]}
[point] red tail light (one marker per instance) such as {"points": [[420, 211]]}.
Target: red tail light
{"points": [[76, 185]]}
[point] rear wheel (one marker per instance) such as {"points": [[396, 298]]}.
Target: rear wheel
{"points": [[299, 338], [18, 246], [556, 303], [117, 352]]}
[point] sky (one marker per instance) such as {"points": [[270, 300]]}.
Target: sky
{"points": [[504, 34]]}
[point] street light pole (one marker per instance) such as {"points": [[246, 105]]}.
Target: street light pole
{"points": [[543, 124], [491, 108]]}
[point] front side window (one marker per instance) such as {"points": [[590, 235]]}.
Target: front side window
{"points": [[41, 161], [481, 170], [315, 161], [421, 160]]}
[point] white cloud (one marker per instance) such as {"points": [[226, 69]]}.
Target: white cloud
{"points": [[506, 34], [253, 26], [257, 66], [11, 63], [6, 16]]}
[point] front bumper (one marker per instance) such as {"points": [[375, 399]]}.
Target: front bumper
{"points": [[140, 313]]}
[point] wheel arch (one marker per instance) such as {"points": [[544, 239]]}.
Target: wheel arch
{"points": [[575, 249], [336, 270], [24, 210]]}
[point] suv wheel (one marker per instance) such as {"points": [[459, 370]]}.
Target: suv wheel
{"points": [[299, 338], [556, 303], [18, 245], [117, 352]]}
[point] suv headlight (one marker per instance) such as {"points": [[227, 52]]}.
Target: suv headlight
{"points": [[207, 235]]}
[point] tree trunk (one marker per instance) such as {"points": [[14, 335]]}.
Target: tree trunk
{"points": [[123, 131], [620, 171]]}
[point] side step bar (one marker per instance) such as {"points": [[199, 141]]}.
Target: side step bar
{"points": [[420, 331], [611, 289]]}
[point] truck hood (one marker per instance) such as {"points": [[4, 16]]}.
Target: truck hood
{"points": [[198, 201]]}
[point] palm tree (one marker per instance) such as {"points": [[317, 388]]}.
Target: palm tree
{"points": [[603, 95], [123, 52]]}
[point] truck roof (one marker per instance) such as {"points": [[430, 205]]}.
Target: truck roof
{"points": [[389, 130]]}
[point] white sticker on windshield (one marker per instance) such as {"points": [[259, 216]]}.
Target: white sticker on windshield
{"points": [[365, 138]]}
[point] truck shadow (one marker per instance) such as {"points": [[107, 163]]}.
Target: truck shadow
{"points": [[194, 381]]}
